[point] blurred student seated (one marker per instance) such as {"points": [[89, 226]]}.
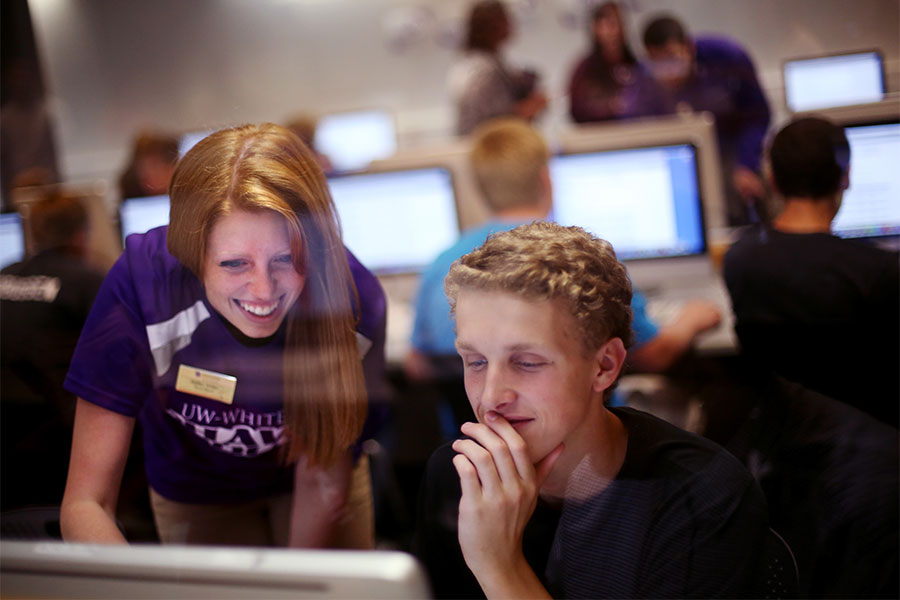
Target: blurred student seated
{"points": [[820, 310], [509, 161], [44, 301], [550, 492], [150, 166], [610, 82], [715, 74], [483, 86]]}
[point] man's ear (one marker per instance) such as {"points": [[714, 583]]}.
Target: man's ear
{"points": [[609, 359]]}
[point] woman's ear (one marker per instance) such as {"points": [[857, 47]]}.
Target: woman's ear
{"points": [[609, 359]]}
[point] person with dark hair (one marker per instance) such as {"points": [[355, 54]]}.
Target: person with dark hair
{"points": [[44, 301], [820, 310], [610, 82], [482, 85], [550, 491], [150, 166], [245, 339], [715, 74]]}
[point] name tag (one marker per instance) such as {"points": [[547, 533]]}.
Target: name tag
{"points": [[206, 384]]}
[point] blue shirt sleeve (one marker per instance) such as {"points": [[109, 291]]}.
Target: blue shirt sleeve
{"points": [[644, 329]]}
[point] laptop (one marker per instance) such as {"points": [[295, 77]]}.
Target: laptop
{"points": [[140, 215], [871, 206], [833, 80], [12, 239], [397, 221], [647, 201], [353, 139], [53, 569]]}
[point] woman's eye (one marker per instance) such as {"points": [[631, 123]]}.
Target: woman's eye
{"points": [[231, 264], [476, 363], [284, 259]]}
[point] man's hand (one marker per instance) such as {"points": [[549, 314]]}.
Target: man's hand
{"points": [[499, 493], [748, 184]]}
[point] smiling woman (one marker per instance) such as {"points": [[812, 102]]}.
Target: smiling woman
{"points": [[234, 337]]}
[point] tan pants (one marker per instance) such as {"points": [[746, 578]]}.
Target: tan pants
{"points": [[264, 522]]}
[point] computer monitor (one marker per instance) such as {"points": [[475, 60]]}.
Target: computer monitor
{"points": [[644, 201], [682, 168], [352, 140], [12, 239], [871, 206], [52, 569], [834, 80], [104, 242], [188, 140], [139, 215], [397, 221]]}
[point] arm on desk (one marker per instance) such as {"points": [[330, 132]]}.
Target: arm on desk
{"points": [[675, 337], [100, 443]]}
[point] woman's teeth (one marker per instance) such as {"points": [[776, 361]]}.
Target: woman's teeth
{"points": [[263, 310]]}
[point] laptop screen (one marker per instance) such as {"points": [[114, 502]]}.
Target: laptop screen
{"points": [[871, 205], [138, 215], [12, 239], [839, 80], [644, 201], [397, 221], [352, 140]]}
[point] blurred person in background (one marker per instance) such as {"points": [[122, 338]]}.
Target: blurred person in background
{"points": [[482, 85], [44, 302], [150, 165], [304, 127], [715, 74], [610, 82]]}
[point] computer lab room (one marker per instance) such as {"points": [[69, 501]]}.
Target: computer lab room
{"points": [[459, 299]]}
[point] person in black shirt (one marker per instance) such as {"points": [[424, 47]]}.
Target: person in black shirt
{"points": [[818, 309], [551, 492], [44, 301]]}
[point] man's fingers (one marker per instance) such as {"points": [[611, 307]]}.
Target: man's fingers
{"points": [[482, 461], [468, 476]]}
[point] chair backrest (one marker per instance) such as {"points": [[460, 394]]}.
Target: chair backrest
{"points": [[780, 576]]}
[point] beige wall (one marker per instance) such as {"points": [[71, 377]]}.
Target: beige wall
{"points": [[117, 65]]}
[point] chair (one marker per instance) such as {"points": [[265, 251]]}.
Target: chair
{"points": [[780, 575]]}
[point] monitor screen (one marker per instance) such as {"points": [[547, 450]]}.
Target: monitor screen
{"points": [[188, 140], [138, 215], [12, 239], [352, 140], [397, 221], [839, 80], [871, 205], [644, 201]]}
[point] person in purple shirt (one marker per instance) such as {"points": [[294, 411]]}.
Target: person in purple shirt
{"points": [[610, 82], [715, 74], [234, 337]]}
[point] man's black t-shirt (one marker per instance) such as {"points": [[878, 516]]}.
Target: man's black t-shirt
{"points": [[682, 519], [822, 311]]}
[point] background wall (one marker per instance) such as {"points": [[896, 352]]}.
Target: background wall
{"points": [[114, 66]]}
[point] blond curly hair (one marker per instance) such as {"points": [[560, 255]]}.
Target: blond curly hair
{"points": [[546, 261]]}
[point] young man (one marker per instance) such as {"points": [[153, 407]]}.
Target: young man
{"points": [[550, 492], [820, 310], [509, 160], [715, 74]]}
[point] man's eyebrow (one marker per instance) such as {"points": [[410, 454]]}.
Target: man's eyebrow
{"points": [[519, 347]]}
